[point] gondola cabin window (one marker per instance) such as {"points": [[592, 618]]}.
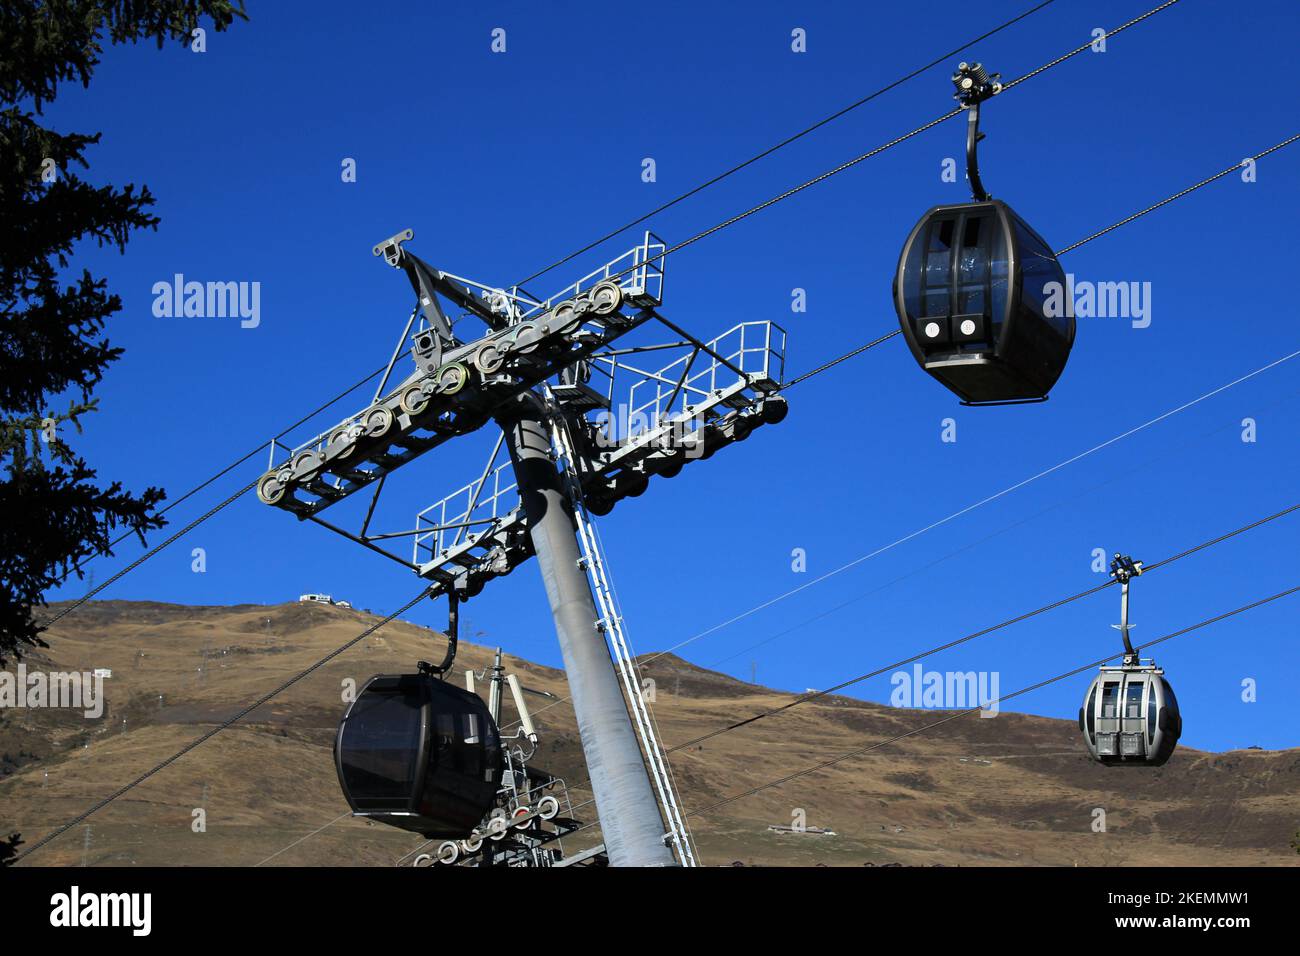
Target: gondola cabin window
{"points": [[1134, 709], [382, 750], [1109, 699]]}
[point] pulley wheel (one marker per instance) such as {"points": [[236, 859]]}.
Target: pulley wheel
{"points": [[775, 409], [519, 342], [305, 464], [488, 359], [343, 438], [414, 401], [548, 807], [606, 298], [269, 489], [378, 420], [565, 318], [452, 378], [448, 853]]}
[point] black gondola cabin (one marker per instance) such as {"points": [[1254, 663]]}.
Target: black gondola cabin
{"points": [[1130, 716], [975, 296], [418, 753]]}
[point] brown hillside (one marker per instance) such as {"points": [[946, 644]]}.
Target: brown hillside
{"points": [[1016, 789]]}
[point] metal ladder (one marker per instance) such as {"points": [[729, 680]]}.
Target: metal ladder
{"points": [[611, 624]]}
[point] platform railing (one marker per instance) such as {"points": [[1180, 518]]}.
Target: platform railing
{"points": [[643, 263], [756, 349], [464, 513]]}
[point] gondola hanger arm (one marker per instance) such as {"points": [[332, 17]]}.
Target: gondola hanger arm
{"points": [[1123, 569], [453, 637], [974, 86]]}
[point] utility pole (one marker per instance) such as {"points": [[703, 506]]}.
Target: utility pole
{"points": [[625, 801]]}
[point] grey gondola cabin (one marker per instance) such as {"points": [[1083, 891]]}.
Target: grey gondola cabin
{"points": [[983, 304], [1130, 716]]}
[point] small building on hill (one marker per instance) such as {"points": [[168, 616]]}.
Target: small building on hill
{"points": [[321, 599]]}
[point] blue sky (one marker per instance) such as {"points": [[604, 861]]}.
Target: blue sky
{"points": [[503, 162]]}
